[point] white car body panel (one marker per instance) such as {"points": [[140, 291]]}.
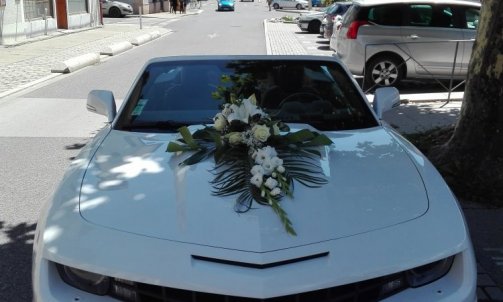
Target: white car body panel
{"points": [[172, 209], [85, 245]]}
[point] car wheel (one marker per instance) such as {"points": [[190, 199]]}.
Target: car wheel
{"points": [[314, 26], [276, 6], [115, 12], [384, 71], [298, 6]]}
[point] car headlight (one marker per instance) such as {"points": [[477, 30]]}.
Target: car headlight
{"points": [[90, 282], [428, 273], [415, 277]]}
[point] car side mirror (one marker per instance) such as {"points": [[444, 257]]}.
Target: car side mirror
{"points": [[102, 102], [385, 99]]}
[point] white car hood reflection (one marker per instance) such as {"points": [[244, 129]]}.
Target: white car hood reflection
{"points": [[133, 185]]}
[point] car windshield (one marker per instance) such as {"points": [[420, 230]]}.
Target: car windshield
{"points": [[172, 94]]}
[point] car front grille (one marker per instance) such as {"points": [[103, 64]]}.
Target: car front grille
{"points": [[369, 290]]}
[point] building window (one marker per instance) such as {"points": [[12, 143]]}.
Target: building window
{"points": [[77, 6], [37, 9]]}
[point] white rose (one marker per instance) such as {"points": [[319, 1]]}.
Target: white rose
{"points": [[271, 183], [280, 169], [257, 180], [261, 133], [220, 122]]}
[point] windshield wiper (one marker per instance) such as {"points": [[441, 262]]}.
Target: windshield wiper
{"points": [[160, 125]]}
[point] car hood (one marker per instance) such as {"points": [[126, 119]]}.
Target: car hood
{"points": [[133, 185], [119, 3], [311, 15]]}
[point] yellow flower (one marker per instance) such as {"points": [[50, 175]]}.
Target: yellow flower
{"points": [[220, 122], [261, 133], [235, 138]]}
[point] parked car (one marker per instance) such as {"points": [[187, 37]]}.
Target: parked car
{"points": [[116, 9], [338, 10], [298, 4], [218, 218], [377, 38], [225, 5], [335, 31], [311, 21]]}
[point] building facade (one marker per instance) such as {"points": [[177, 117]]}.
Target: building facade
{"points": [[25, 19]]}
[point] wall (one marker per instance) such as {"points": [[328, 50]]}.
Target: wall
{"points": [[12, 24]]}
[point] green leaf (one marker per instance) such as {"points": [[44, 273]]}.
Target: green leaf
{"points": [[196, 157], [174, 147], [187, 137], [319, 140], [287, 224], [300, 136]]}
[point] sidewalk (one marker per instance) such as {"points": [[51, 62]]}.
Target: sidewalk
{"points": [[30, 62]]}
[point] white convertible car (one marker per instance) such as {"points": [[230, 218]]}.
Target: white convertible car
{"points": [[251, 178]]}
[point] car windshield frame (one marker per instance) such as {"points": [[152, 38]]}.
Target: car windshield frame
{"points": [[319, 93]]}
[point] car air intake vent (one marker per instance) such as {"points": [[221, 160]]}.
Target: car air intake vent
{"points": [[364, 291], [260, 266]]}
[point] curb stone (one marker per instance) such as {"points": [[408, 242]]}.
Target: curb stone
{"points": [[76, 63], [116, 48]]}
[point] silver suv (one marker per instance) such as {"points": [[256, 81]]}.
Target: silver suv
{"points": [[390, 40]]}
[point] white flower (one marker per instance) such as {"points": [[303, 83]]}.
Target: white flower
{"points": [[280, 169], [275, 129], [227, 110], [261, 132], [220, 122], [235, 138], [244, 111], [277, 161], [257, 180], [276, 191], [257, 169], [268, 166], [265, 153], [271, 183]]}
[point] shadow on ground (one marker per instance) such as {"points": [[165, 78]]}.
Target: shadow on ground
{"points": [[15, 262], [420, 117]]}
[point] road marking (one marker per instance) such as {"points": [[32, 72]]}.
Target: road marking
{"points": [[213, 35]]}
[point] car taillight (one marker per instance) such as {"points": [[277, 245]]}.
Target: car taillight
{"points": [[353, 29]]}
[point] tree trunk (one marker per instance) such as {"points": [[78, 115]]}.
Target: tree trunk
{"points": [[472, 160]]}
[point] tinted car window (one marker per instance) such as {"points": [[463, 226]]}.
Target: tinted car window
{"points": [[443, 16], [420, 15], [385, 15], [172, 94], [472, 16]]}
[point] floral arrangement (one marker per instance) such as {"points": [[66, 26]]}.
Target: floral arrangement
{"points": [[256, 157]]}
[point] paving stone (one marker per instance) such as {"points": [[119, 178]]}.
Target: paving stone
{"points": [[494, 293], [481, 295], [485, 280]]}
